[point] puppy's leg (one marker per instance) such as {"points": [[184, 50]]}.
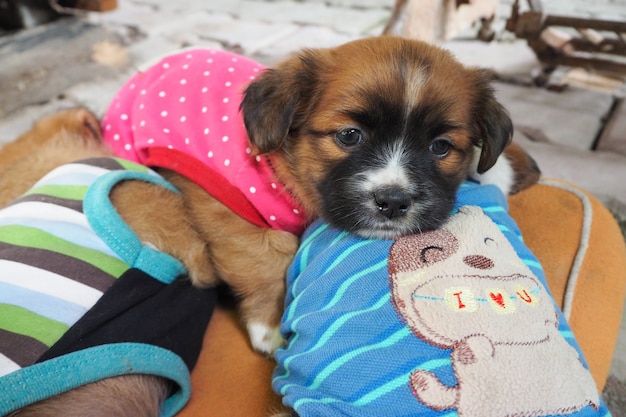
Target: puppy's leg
{"points": [[122, 396], [159, 217], [254, 262], [251, 260], [54, 140]]}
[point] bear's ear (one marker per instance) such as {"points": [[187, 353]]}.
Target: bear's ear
{"points": [[414, 252], [274, 103], [494, 128]]}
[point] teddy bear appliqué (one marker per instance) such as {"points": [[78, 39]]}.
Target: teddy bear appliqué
{"points": [[463, 287]]}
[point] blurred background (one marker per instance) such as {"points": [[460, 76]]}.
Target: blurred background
{"points": [[559, 65]]}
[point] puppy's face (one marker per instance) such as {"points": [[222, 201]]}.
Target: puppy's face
{"points": [[377, 134]]}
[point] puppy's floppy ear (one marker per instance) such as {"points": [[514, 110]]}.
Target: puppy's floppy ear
{"points": [[90, 125], [272, 103], [494, 126]]}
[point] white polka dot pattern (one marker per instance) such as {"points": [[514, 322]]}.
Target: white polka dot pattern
{"points": [[189, 103]]}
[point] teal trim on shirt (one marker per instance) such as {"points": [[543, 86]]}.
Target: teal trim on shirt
{"points": [[111, 228], [55, 376]]}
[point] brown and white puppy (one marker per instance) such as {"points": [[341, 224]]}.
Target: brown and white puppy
{"points": [[375, 136]]}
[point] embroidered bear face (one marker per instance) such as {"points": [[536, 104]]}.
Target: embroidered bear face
{"points": [[467, 272], [463, 287]]}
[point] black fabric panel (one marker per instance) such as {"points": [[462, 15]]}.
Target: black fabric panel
{"points": [[140, 309]]}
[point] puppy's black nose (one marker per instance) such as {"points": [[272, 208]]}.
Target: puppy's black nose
{"points": [[392, 202]]}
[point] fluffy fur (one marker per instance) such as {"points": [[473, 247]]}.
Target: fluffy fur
{"points": [[130, 395]]}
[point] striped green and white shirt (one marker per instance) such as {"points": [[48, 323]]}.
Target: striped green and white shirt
{"points": [[83, 299]]}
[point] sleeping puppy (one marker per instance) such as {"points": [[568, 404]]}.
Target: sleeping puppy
{"points": [[79, 270], [374, 136]]}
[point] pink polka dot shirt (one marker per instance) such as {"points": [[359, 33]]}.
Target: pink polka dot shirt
{"points": [[183, 114]]}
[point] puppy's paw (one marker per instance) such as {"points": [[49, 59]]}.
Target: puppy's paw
{"points": [[265, 339]]}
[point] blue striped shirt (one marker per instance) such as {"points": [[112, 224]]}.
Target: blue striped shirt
{"points": [[349, 350]]}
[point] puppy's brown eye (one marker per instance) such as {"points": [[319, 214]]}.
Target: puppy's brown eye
{"points": [[349, 137], [440, 147]]}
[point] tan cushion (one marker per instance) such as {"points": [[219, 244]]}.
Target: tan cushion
{"points": [[582, 251]]}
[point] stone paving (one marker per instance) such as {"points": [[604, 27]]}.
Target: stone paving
{"points": [[83, 60]]}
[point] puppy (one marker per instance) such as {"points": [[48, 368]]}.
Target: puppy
{"points": [[83, 353], [374, 136], [74, 134]]}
